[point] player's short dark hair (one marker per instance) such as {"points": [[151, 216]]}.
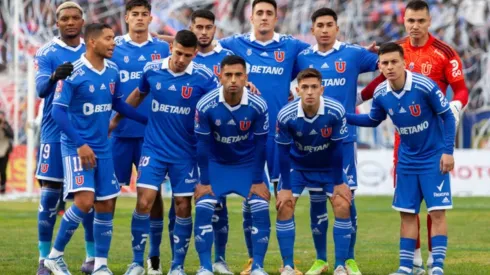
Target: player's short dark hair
{"points": [[309, 73], [202, 13], [323, 12], [390, 47], [137, 3], [233, 60], [272, 2], [417, 5], [186, 38], [94, 30]]}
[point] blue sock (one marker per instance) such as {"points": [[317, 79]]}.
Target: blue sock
{"points": [[353, 236], [203, 233], [439, 247], [69, 223], [46, 219], [182, 237], [319, 223], [88, 225], [285, 237], [261, 230], [156, 230], [171, 225], [103, 230], [220, 227], [407, 250], [140, 228], [247, 227], [342, 230]]}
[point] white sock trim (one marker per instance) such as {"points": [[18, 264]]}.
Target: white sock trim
{"points": [[99, 262], [55, 253]]}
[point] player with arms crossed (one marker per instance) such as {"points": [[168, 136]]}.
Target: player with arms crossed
{"points": [[316, 127], [176, 84], [433, 58], [53, 62], [82, 108], [422, 117], [225, 121], [340, 65], [132, 52]]}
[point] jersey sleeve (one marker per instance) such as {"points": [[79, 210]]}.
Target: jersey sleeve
{"points": [[228, 42], [116, 88], [300, 46], [211, 83], [438, 100], [282, 134], [339, 129], [453, 71], [368, 61], [261, 126], [63, 93], [144, 86], [201, 123], [43, 66], [377, 112]]}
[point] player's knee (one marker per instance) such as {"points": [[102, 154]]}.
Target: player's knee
{"points": [[341, 207], [144, 204], [51, 184], [183, 206], [408, 218], [105, 206], [438, 216], [84, 200], [157, 208], [285, 211]]}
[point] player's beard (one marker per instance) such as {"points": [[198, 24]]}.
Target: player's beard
{"points": [[70, 36], [205, 45]]}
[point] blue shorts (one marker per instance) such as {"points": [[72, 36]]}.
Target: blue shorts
{"points": [[311, 181], [272, 160], [152, 173], [49, 164], [411, 189], [125, 153], [350, 164], [227, 179], [101, 179]]}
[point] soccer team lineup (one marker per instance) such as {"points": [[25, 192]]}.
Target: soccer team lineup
{"points": [[218, 117]]}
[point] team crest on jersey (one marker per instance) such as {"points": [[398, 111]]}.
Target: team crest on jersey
{"points": [[390, 111], [411, 66], [279, 56], [79, 180], [126, 59], [59, 86], [158, 86], [426, 68], [155, 56], [326, 132], [186, 92], [44, 167], [112, 87], [415, 110], [245, 125], [91, 88], [340, 66], [217, 122], [249, 52], [216, 70]]}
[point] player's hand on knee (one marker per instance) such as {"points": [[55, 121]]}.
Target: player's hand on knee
{"points": [[253, 89], [447, 163], [342, 191], [284, 199], [202, 190], [87, 156], [261, 190]]}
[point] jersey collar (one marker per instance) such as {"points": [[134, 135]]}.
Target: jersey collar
{"points": [[166, 66], [216, 49], [321, 111], [276, 37], [406, 88], [336, 47], [60, 43], [127, 38], [243, 101], [91, 67]]}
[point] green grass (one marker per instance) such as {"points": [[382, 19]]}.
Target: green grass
{"points": [[376, 252]]}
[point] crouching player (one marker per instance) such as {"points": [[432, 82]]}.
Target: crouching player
{"points": [[422, 117], [309, 135], [231, 125]]}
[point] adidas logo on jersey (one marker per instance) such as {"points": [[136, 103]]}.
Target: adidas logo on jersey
{"points": [[142, 58], [172, 88], [231, 122], [264, 54], [445, 200], [313, 132], [402, 110], [325, 66], [102, 87]]}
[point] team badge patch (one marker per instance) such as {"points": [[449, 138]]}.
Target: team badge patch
{"points": [[155, 56], [112, 87], [340, 66], [279, 56], [245, 125], [79, 180], [415, 110], [44, 167], [326, 132], [186, 92]]}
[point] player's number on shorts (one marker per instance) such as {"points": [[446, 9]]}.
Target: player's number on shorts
{"points": [[455, 70], [77, 164], [45, 149], [144, 161]]}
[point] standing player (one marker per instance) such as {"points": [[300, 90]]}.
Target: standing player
{"points": [[230, 160], [132, 52], [176, 84], [270, 60], [316, 125], [202, 25], [420, 113], [53, 64], [340, 65], [433, 58], [82, 109]]}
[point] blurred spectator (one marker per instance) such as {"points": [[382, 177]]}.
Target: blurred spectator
{"points": [[6, 136]]}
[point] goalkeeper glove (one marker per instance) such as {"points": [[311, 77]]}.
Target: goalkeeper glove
{"points": [[63, 71], [456, 107]]}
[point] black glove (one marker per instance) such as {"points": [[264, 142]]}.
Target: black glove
{"points": [[63, 71]]}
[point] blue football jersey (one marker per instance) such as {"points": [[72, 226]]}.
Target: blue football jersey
{"points": [[340, 67], [269, 65], [131, 58], [231, 127], [88, 94], [47, 59], [212, 59], [414, 112], [311, 137], [170, 129]]}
